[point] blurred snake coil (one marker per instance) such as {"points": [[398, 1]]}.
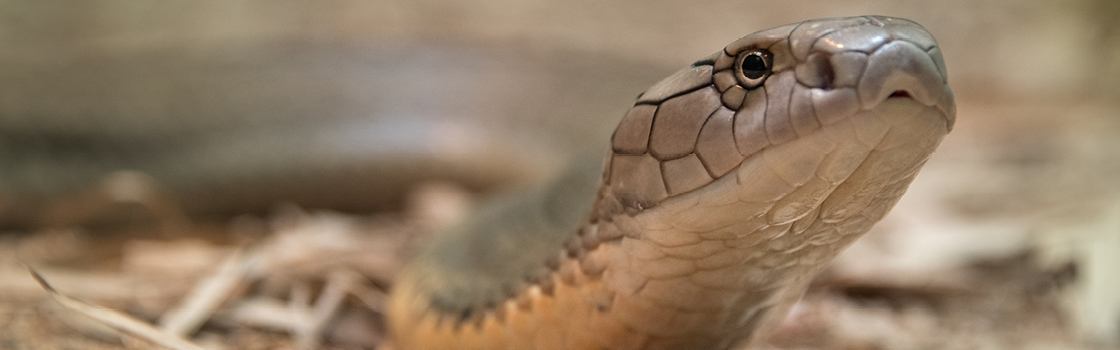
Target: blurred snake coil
{"points": [[727, 187]]}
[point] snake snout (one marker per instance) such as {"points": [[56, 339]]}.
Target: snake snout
{"points": [[857, 63], [897, 69], [902, 69]]}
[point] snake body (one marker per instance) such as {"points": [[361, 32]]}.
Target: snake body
{"points": [[727, 187]]}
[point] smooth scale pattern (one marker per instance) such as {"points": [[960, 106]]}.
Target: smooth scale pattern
{"points": [[720, 200]]}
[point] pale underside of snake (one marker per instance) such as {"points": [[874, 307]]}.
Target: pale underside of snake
{"points": [[728, 186]]}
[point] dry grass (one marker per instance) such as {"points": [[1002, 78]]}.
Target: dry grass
{"points": [[298, 280]]}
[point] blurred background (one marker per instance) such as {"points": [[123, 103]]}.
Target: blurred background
{"points": [[176, 121]]}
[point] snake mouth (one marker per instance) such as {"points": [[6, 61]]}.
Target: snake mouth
{"points": [[900, 94]]}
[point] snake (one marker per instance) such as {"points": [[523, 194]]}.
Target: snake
{"points": [[726, 188]]}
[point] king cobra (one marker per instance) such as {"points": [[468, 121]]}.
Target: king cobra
{"points": [[726, 188]]}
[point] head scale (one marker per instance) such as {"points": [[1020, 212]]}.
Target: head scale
{"points": [[766, 89]]}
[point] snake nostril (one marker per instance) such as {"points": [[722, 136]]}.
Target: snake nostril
{"points": [[816, 71], [828, 75], [900, 93]]}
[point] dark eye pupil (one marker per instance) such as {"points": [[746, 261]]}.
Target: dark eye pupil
{"points": [[754, 66]]}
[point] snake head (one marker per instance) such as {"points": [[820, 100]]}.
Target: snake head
{"points": [[771, 88]]}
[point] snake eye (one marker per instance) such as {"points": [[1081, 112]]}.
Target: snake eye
{"points": [[753, 67]]}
